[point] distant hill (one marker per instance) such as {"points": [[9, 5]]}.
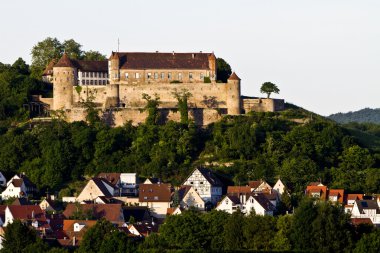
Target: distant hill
{"points": [[366, 115]]}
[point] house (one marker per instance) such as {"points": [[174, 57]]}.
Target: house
{"points": [[336, 195], [111, 212], [230, 204], [3, 180], [259, 186], [272, 196], [188, 197], [258, 203], [31, 214], [206, 183], [73, 232], [279, 187], [97, 187], [240, 192], [366, 209], [153, 180], [47, 205], [349, 200], [19, 186], [143, 229], [107, 200], [127, 183], [317, 191], [157, 197]]}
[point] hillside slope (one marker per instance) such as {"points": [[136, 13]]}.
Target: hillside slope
{"points": [[366, 115]]}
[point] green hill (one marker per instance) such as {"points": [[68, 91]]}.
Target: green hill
{"points": [[366, 115]]}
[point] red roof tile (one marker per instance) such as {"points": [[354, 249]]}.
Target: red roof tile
{"points": [[234, 77], [111, 212], [65, 62], [155, 193], [238, 189]]}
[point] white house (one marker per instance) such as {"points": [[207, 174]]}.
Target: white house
{"points": [[259, 186], [206, 184], [127, 183], [230, 204], [366, 209], [18, 186], [279, 187], [96, 187], [157, 197], [260, 204], [189, 197], [3, 180]]}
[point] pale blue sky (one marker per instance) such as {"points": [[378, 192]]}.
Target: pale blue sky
{"points": [[323, 54]]}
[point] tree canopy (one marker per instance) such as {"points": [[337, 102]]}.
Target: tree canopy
{"points": [[269, 88]]}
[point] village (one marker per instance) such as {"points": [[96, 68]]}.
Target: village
{"points": [[139, 208]]}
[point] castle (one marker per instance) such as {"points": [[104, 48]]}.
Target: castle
{"points": [[117, 87]]}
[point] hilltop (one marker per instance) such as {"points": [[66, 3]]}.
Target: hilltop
{"points": [[366, 115]]}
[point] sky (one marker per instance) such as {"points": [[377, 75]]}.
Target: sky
{"points": [[324, 55]]}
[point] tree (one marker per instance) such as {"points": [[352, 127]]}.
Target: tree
{"points": [[269, 88], [17, 237], [369, 243], [182, 98], [223, 70], [152, 108], [94, 56], [233, 233], [72, 49], [259, 232], [43, 52], [94, 237]]}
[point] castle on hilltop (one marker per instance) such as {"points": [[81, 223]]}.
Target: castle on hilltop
{"points": [[117, 86]]}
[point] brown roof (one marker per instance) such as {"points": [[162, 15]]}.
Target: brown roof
{"points": [[65, 62], [140, 60], [91, 66], [233, 76], [321, 189], [358, 221], [49, 68], [28, 212], [111, 212], [338, 193], [238, 189], [155, 193], [145, 228], [100, 184], [17, 182], [68, 231], [255, 184], [263, 201], [110, 177], [356, 196]]}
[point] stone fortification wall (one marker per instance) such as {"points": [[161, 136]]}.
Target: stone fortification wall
{"points": [[263, 105], [118, 117], [99, 93], [204, 95]]}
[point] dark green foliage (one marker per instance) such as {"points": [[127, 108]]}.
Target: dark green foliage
{"points": [[182, 98], [206, 79], [366, 115], [369, 243], [152, 109], [269, 88], [18, 237], [223, 70]]}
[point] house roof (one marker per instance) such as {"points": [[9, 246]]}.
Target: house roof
{"points": [[20, 202], [263, 201], [110, 212], [91, 66], [49, 68], [367, 204], [337, 193], [320, 189], [155, 193], [315, 184], [113, 178], [144, 60], [100, 183], [210, 176], [183, 190], [255, 184], [234, 77], [29, 212], [358, 221], [238, 189], [355, 196], [234, 199], [17, 182], [153, 180], [145, 228], [69, 233]]}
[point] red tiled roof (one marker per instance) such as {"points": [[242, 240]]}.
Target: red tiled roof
{"points": [[358, 221], [338, 193], [113, 178], [234, 77], [111, 212], [143, 60], [65, 62], [155, 193], [91, 66], [49, 68], [238, 189], [255, 184], [27, 212], [321, 189], [355, 196]]}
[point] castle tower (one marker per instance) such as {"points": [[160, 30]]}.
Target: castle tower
{"points": [[113, 68], [212, 66], [233, 95], [64, 78]]}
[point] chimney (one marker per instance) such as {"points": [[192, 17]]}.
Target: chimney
{"points": [[173, 52], [74, 241], [193, 55]]}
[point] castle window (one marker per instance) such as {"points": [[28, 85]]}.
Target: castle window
{"points": [[91, 74], [96, 82], [162, 75], [126, 75], [87, 82], [91, 82], [201, 75], [190, 75], [137, 75], [86, 74], [82, 82], [179, 76], [155, 75], [169, 75], [83, 74], [149, 75]]}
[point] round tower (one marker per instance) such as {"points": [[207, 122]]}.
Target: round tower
{"points": [[233, 95], [64, 78], [113, 68]]}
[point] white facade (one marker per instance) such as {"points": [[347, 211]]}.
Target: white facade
{"points": [[279, 187], [13, 191], [206, 190], [192, 199], [129, 183], [157, 209], [372, 212], [91, 191], [228, 205], [253, 204], [92, 78]]}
